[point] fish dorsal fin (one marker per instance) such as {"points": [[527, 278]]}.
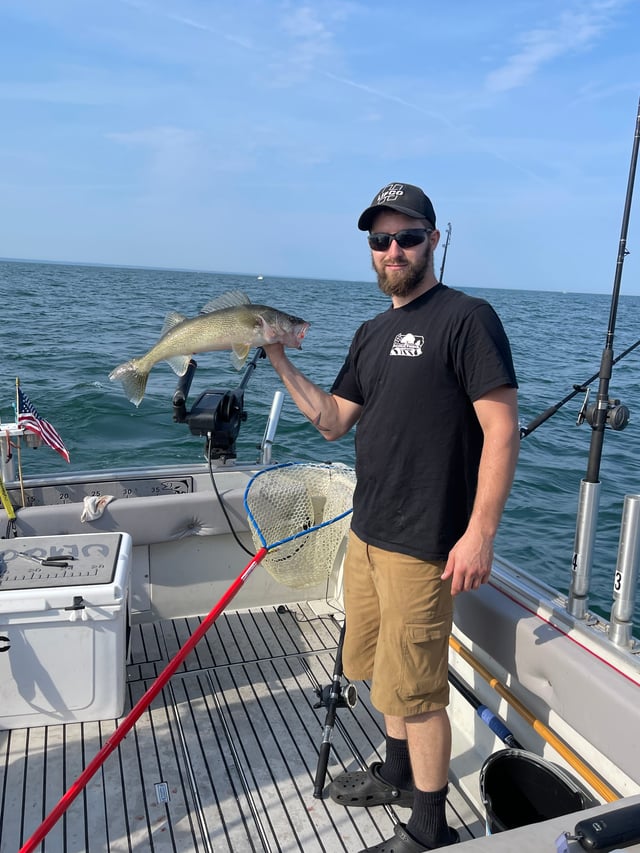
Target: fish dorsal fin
{"points": [[239, 353], [230, 299], [172, 319]]}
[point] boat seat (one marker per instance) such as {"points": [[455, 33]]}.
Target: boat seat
{"points": [[148, 520]]}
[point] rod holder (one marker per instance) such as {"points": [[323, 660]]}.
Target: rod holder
{"points": [[582, 562], [626, 575], [272, 426]]}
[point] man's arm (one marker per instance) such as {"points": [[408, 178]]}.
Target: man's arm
{"points": [[332, 416], [471, 558]]}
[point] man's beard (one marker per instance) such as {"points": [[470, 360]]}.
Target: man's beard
{"points": [[403, 282]]}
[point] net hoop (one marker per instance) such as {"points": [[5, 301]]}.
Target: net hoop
{"points": [[285, 503]]}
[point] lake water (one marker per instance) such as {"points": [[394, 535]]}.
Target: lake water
{"points": [[65, 327]]}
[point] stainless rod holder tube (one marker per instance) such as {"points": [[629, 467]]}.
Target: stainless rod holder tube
{"points": [[272, 426], [626, 576], [582, 562]]}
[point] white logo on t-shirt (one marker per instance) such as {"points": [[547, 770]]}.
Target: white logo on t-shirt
{"points": [[408, 344]]}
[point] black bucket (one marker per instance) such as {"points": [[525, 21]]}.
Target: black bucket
{"points": [[518, 788]]}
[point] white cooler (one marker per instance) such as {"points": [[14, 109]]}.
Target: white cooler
{"points": [[64, 618]]}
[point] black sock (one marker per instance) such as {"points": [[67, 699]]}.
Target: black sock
{"points": [[428, 821], [396, 769]]}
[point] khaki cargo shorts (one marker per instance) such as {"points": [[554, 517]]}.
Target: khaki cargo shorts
{"points": [[399, 616]]}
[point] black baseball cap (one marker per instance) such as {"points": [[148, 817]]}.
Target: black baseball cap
{"points": [[405, 198]]}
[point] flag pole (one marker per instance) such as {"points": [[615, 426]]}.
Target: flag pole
{"points": [[19, 445]]}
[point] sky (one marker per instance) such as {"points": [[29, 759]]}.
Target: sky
{"points": [[248, 136]]}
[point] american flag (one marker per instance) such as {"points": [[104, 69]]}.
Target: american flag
{"points": [[29, 419]]}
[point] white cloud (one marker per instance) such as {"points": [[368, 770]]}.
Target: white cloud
{"points": [[572, 31]]}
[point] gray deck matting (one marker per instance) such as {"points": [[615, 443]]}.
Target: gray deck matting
{"points": [[225, 758]]}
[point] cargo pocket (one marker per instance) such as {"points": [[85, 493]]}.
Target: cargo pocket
{"points": [[425, 661]]}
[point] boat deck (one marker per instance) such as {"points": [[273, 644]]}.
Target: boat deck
{"points": [[223, 760]]}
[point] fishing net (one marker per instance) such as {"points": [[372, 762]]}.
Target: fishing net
{"points": [[285, 504]]}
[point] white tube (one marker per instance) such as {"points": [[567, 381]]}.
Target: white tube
{"points": [[272, 426]]}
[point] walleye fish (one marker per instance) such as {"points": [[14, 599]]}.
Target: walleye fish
{"points": [[230, 321]]}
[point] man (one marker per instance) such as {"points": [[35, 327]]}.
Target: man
{"points": [[431, 385]]}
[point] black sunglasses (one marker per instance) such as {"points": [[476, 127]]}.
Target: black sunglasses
{"points": [[407, 239]]}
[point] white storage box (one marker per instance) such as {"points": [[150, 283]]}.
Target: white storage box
{"points": [[64, 617]]}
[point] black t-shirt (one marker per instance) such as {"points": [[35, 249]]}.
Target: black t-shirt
{"points": [[416, 371]]}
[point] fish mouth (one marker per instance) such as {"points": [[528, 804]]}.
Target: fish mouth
{"points": [[294, 336], [303, 331]]}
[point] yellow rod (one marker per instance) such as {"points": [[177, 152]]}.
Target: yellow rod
{"points": [[6, 501], [596, 782]]}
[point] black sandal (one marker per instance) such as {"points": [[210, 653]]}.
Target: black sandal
{"points": [[368, 788], [402, 842]]}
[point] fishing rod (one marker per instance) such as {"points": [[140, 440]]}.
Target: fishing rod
{"points": [[615, 423], [444, 256], [601, 415], [486, 714], [332, 697], [541, 729], [5, 500]]}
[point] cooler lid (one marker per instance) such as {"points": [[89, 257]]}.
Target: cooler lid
{"points": [[55, 568]]}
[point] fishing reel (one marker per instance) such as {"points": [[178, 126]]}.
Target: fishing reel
{"points": [[216, 415], [346, 698], [616, 418]]}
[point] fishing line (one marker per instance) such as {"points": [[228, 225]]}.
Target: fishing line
{"points": [[302, 619], [225, 419], [578, 389], [225, 512]]}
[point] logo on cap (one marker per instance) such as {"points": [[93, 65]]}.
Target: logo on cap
{"points": [[392, 192]]}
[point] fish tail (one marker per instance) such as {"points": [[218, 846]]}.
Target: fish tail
{"points": [[133, 378]]}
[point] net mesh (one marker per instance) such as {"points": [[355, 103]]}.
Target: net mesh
{"points": [[301, 513]]}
